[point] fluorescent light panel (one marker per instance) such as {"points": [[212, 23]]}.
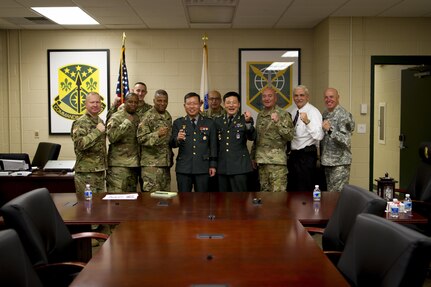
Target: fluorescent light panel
{"points": [[66, 15]]}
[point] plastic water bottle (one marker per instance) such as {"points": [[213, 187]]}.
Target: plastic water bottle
{"points": [[395, 211], [316, 193], [407, 203], [87, 192]]}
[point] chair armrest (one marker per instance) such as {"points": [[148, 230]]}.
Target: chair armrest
{"points": [[311, 229], [58, 274], [96, 235], [334, 256]]}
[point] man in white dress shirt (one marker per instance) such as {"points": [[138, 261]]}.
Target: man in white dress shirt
{"points": [[308, 132]]}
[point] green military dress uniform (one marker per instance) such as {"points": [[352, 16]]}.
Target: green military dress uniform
{"points": [[156, 154], [90, 150], [336, 155], [234, 163], [269, 148], [123, 154], [196, 154]]}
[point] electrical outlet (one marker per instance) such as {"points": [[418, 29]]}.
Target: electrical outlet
{"points": [[362, 128], [36, 134]]}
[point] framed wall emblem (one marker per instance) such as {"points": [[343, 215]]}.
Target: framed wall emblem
{"points": [[260, 68], [72, 74]]}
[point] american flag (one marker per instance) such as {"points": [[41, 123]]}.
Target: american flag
{"points": [[123, 78]]}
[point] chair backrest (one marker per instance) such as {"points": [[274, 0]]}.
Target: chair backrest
{"points": [[353, 200], [39, 225], [420, 186], [16, 269], [384, 253], [45, 151]]}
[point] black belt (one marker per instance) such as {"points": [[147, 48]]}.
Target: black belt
{"points": [[310, 148]]}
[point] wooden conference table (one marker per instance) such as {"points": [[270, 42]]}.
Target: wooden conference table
{"points": [[203, 206], [207, 239], [210, 253]]}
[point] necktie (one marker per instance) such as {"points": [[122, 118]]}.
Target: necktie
{"points": [[230, 120], [194, 123], [296, 118]]}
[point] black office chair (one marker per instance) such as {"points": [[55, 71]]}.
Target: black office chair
{"points": [[16, 269], [383, 253], [420, 187], [45, 236], [45, 151], [353, 200]]}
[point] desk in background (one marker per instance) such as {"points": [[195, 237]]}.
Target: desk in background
{"points": [[13, 186]]}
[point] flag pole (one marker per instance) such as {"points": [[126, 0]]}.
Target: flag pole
{"points": [[204, 76]]}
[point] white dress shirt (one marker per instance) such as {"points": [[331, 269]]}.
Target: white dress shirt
{"points": [[306, 135]]}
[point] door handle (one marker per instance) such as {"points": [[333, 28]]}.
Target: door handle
{"points": [[402, 139]]}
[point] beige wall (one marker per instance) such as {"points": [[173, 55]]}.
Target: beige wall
{"points": [[335, 53], [352, 42]]}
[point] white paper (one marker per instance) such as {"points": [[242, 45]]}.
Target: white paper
{"points": [[121, 196]]}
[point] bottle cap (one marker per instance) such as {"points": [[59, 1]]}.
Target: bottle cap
{"points": [[395, 200], [87, 185], [407, 194], [316, 185]]}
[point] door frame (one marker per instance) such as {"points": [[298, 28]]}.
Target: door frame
{"points": [[386, 60]]}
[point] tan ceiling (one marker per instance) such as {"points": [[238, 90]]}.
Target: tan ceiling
{"points": [[185, 14]]}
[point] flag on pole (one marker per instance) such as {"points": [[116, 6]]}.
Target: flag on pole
{"points": [[123, 78], [204, 76]]}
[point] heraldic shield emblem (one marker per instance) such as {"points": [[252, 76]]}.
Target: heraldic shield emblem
{"points": [[75, 81], [259, 77]]}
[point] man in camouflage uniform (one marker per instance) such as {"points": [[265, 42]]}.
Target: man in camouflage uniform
{"points": [[89, 140], [215, 109], [336, 156], [123, 154], [274, 130], [141, 90], [153, 135]]}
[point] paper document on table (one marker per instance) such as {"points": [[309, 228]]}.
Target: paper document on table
{"points": [[127, 196], [163, 194]]}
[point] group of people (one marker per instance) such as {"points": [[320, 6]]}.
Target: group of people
{"points": [[213, 154]]}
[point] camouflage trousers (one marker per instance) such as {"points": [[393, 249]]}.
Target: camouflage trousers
{"points": [[272, 177], [95, 179], [156, 178], [121, 179], [337, 177]]}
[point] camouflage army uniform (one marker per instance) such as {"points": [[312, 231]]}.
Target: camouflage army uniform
{"points": [[123, 154], [140, 111], [90, 150], [213, 115], [336, 156], [269, 149], [156, 154]]}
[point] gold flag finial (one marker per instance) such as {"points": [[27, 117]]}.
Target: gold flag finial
{"points": [[205, 38], [124, 38]]}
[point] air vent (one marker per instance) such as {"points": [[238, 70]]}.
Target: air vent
{"points": [[40, 20]]}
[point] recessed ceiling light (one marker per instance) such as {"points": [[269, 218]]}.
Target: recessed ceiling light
{"points": [[66, 15]]}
